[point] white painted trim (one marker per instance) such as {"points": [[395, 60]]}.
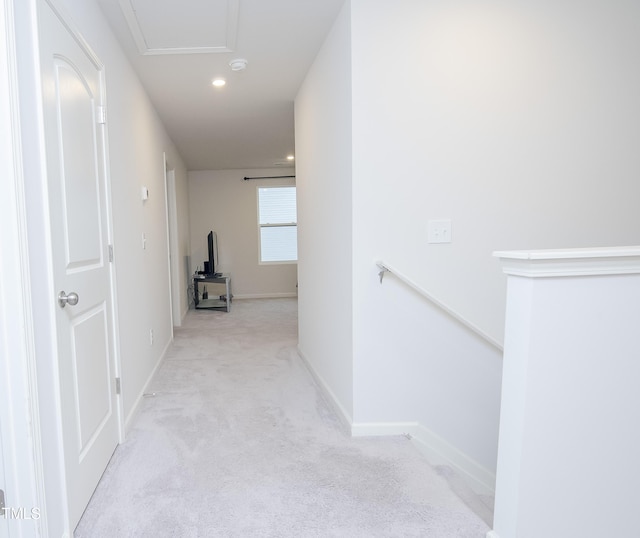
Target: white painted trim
{"points": [[174, 243], [67, 21], [46, 404], [342, 413], [136, 32], [282, 295], [570, 253], [571, 262], [437, 451], [435, 448], [440, 451], [113, 280], [21, 461], [135, 409], [170, 218], [374, 429]]}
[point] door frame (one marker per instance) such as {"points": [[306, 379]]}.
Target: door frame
{"points": [[31, 439], [173, 250], [21, 470]]}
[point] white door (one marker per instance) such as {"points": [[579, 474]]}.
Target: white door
{"points": [[73, 97]]}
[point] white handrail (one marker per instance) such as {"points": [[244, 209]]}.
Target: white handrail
{"points": [[386, 268]]}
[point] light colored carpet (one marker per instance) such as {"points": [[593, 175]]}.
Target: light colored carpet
{"points": [[237, 441]]}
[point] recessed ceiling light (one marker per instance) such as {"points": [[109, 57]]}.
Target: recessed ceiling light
{"points": [[290, 157], [219, 82], [239, 64]]}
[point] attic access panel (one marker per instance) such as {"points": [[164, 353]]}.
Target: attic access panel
{"points": [[185, 27]]}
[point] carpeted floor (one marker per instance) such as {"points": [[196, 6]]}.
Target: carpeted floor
{"points": [[234, 439]]}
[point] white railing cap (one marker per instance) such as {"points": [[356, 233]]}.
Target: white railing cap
{"points": [[571, 262]]}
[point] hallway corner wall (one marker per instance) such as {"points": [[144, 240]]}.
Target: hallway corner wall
{"points": [[323, 170]]}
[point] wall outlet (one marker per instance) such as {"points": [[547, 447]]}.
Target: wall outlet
{"points": [[439, 231], [150, 337]]}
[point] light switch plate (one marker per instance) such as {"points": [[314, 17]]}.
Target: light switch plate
{"points": [[439, 231]]}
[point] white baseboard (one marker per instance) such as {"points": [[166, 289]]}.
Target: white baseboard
{"points": [[342, 413], [437, 451], [283, 295], [136, 406], [435, 448], [365, 429]]}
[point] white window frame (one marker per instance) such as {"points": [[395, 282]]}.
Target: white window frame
{"points": [[260, 225]]}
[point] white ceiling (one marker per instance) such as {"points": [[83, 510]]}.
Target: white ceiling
{"points": [[178, 47]]}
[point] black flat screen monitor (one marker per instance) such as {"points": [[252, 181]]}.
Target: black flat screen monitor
{"points": [[211, 266]]}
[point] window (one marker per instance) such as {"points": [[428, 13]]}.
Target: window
{"points": [[277, 219]]}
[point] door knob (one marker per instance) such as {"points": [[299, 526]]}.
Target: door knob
{"points": [[71, 299]]}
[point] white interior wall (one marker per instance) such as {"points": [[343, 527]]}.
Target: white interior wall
{"points": [[420, 366], [520, 141], [514, 122], [222, 201], [323, 163]]}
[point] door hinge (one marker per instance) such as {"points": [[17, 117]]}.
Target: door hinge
{"points": [[111, 253], [118, 388], [1, 502], [101, 114]]}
